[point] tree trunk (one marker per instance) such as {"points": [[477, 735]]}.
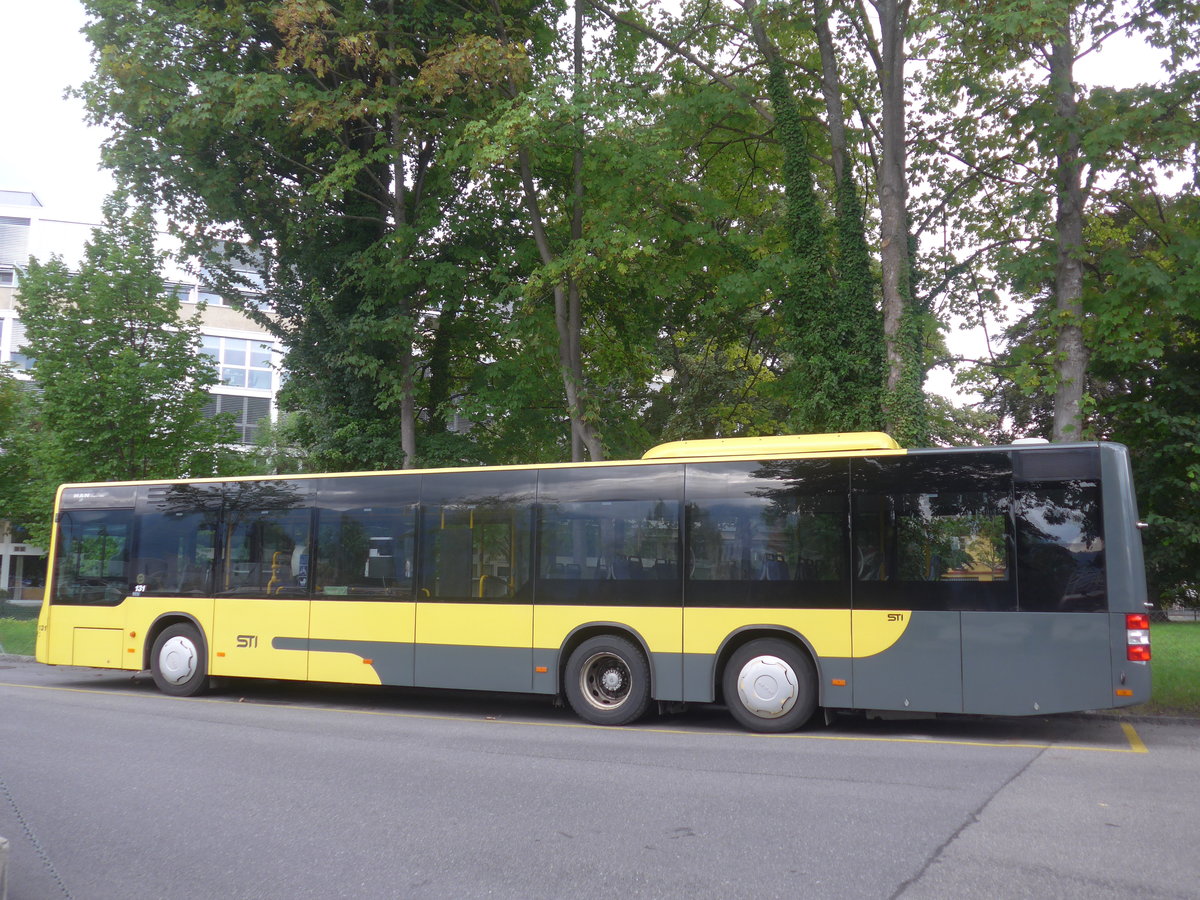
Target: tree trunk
{"points": [[1071, 354], [831, 87], [408, 403], [893, 187]]}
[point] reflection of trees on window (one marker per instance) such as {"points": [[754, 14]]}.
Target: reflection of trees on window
{"points": [[93, 556], [177, 540], [956, 536], [1061, 547], [619, 540], [776, 521], [266, 532], [775, 538]]}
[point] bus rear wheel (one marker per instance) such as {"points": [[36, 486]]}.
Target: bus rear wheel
{"points": [[178, 662], [770, 686], [608, 681]]}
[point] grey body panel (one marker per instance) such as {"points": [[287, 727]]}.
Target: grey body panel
{"points": [[921, 671], [1122, 538], [698, 677], [1020, 664], [474, 668]]}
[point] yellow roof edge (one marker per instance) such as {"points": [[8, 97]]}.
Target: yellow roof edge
{"points": [[782, 446], [779, 445]]}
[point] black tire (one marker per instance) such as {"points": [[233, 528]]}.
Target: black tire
{"points": [[608, 681], [179, 661], [780, 675]]}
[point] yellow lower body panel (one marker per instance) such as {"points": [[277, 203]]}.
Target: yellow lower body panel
{"points": [[99, 647], [475, 624], [660, 627], [259, 638]]}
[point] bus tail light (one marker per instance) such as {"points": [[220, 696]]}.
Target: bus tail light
{"points": [[1137, 637]]}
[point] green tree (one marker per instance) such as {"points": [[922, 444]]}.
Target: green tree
{"points": [[121, 381], [320, 132], [1035, 158]]}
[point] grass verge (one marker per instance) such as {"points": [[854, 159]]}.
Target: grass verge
{"points": [[1175, 662], [18, 636]]}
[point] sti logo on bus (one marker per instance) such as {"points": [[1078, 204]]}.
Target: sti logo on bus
{"points": [[895, 617], [247, 640]]}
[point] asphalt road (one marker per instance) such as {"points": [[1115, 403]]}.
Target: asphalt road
{"points": [[109, 789]]}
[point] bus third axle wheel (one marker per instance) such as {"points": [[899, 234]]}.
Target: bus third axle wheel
{"points": [[608, 681]]}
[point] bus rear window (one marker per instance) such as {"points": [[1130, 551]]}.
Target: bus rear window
{"points": [[93, 557]]}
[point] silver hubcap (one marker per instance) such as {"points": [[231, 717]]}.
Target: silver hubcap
{"points": [[604, 681], [767, 687], [177, 660]]}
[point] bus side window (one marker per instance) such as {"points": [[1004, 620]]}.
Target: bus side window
{"points": [[475, 536], [94, 556], [1060, 547], [618, 540], [268, 554], [366, 552], [175, 555]]}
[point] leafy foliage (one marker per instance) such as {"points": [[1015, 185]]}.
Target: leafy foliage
{"points": [[121, 382], [484, 241]]}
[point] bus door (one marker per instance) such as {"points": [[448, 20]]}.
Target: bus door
{"points": [[363, 613], [474, 616], [261, 610]]}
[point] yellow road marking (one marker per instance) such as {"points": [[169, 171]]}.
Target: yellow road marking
{"points": [[1135, 742], [1136, 745]]}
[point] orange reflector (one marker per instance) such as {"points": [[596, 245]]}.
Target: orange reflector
{"points": [[131, 650], [1124, 692], [367, 662], [133, 634], [839, 682], [220, 653], [541, 670]]}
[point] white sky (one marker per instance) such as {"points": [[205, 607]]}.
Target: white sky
{"points": [[47, 148]]}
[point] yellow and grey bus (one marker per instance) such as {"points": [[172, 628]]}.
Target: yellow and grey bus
{"points": [[776, 575]]}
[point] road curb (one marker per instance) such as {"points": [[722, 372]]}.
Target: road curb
{"points": [[13, 657], [3, 868]]}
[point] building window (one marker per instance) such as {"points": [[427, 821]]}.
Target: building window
{"points": [[16, 343], [8, 276], [14, 240], [247, 412], [240, 362], [179, 290]]}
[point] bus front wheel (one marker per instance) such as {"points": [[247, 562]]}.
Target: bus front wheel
{"points": [[608, 681], [178, 661], [770, 686]]}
